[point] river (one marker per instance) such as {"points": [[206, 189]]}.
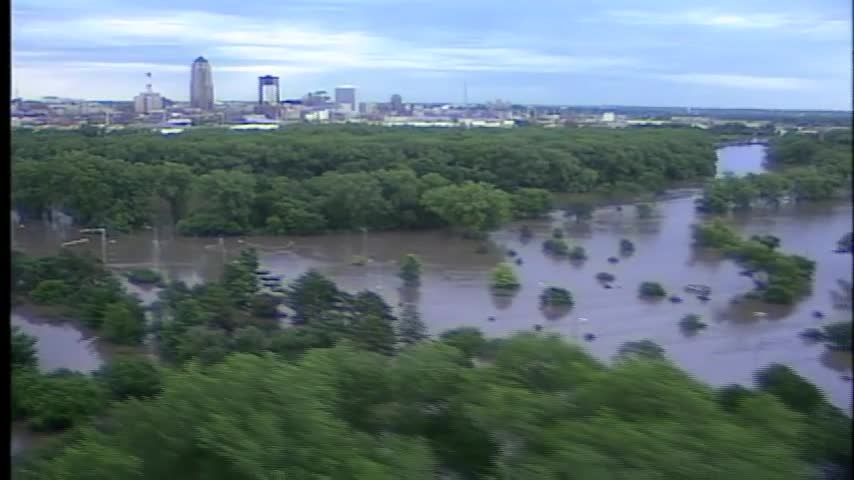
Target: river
{"points": [[454, 287]]}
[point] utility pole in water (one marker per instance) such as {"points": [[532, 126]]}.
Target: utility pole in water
{"points": [[103, 232]]}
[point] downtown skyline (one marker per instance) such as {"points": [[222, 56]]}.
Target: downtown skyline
{"points": [[783, 55]]}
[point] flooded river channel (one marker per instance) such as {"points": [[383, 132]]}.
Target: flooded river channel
{"points": [[454, 287]]}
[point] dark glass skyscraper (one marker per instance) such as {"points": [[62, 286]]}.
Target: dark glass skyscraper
{"points": [[268, 90], [201, 85], [346, 95]]}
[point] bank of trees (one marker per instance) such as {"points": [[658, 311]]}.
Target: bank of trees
{"points": [[79, 287], [805, 168], [350, 413], [314, 179], [61, 399], [787, 278]]}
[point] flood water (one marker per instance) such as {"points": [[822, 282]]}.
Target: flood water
{"points": [[454, 286], [60, 345], [741, 160]]}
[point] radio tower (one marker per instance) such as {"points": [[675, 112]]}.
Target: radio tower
{"points": [[148, 85]]}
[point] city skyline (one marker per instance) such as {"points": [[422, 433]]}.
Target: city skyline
{"points": [[781, 55]]}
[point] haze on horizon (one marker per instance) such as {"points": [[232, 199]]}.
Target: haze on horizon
{"points": [[787, 54]]}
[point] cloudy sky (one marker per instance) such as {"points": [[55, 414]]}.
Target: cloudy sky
{"points": [[728, 53]]}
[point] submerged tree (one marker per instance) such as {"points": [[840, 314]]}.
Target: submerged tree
{"points": [[556, 246], [651, 289], [691, 323], [644, 210], [556, 296], [846, 243], [410, 270], [605, 277], [641, 349], [626, 246], [504, 278], [578, 254]]}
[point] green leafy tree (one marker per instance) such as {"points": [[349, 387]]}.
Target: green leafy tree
{"points": [[61, 399], [221, 204], [23, 351], [172, 183], [373, 333], [311, 294], [130, 377], [581, 210], [556, 246], [473, 206], [250, 339], [531, 202], [350, 200], [769, 241], [123, 323], [556, 296], [294, 216], [51, 292], [789, 387], [469, 340], [504, 278], [838, 335]]}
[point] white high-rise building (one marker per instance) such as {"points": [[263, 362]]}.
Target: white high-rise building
{"points": [[201, 85], [148, 101]]}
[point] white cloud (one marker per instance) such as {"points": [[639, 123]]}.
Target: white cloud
{"points": [[238, 44], [739, 81], [806, 23]]}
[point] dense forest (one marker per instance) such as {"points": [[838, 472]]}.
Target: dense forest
{"points": [[312, 179], [353, 389], [803, 168]]}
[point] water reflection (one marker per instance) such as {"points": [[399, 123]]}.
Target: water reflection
{"points": [[502, 302], [454, 288]]}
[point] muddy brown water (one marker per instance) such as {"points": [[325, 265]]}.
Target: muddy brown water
{"points": [[454, 286]]}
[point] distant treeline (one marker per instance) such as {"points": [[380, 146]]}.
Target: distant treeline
{"points": [[314, 179], [803, 168]]}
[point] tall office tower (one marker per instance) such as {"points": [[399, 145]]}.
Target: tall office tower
{"points": [[201, 85], [396, 103], [346, 95], [268, 90]]}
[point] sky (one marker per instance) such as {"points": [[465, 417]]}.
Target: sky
{"points": [[794, 54]]}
